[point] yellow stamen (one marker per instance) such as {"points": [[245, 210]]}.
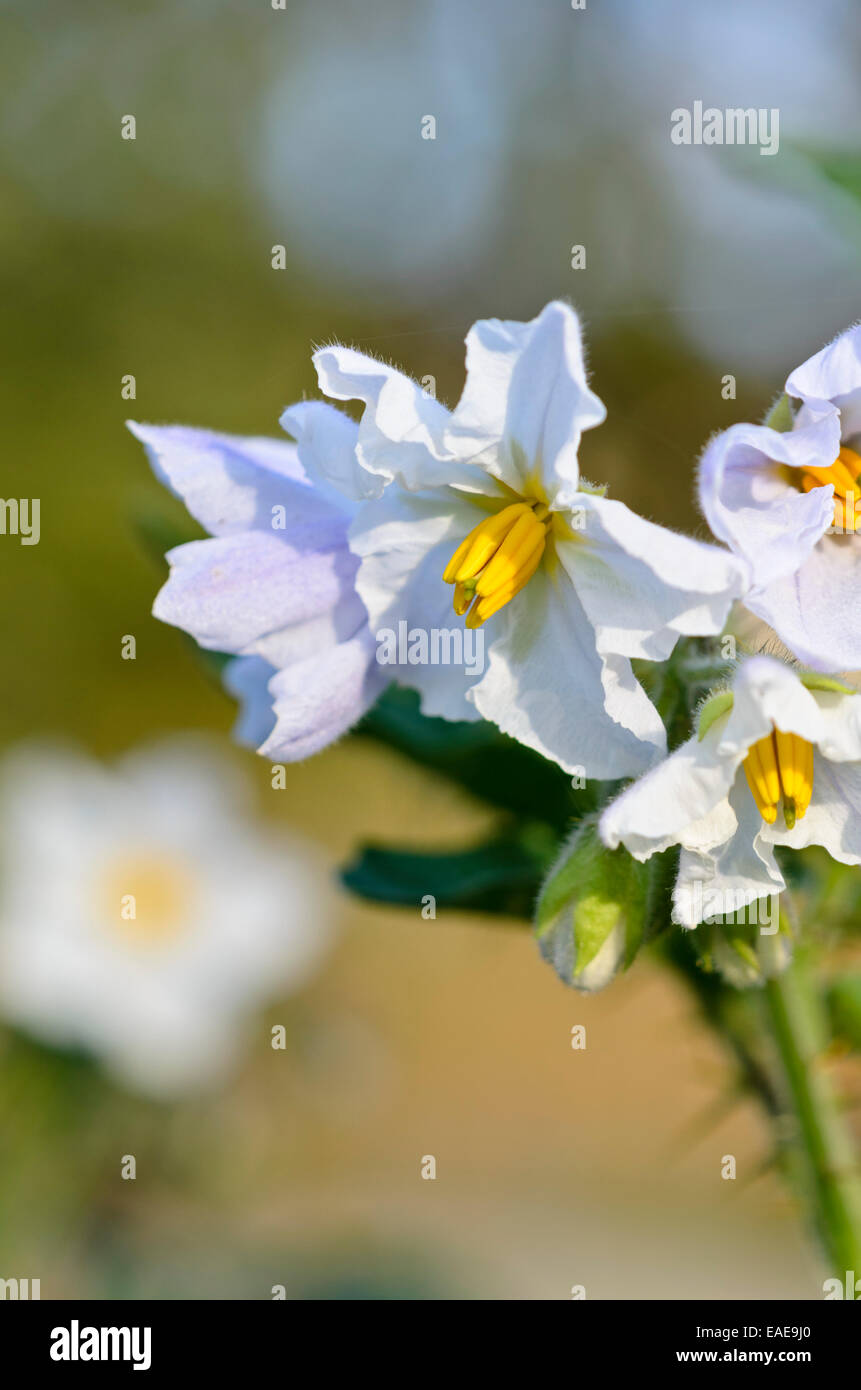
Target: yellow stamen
{"points": [[496, 560], [786, 754], [487, 605], [844, 473], [474, 552], [804, 785], [760, 768], [780, 765]]}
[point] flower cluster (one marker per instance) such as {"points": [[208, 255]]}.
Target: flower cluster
{"points": [[420, 517]]}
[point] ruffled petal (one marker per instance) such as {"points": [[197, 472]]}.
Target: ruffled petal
{"points": [[815, 610], [401, 436], [833, 376], [326, 443], [642, 586], [752, 508], [767, 694], [247, 679], [683, 797], [689, 799], [526, 401], [547, 686], [840, 739], [232, 484], [738, 871], [317, 700]]}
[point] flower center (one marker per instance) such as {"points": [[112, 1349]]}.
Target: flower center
{"points": [[147, 899], [498, 557], [780, 765], [844, 473]]}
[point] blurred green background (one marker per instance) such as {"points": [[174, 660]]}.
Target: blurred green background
{"points": [[258, 127]]}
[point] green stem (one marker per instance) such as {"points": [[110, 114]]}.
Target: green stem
{"points": [[827, 1162]]}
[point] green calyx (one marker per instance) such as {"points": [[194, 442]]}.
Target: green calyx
{"points": [[594, 910], [719, 703], [812, 680], [780, 417]]}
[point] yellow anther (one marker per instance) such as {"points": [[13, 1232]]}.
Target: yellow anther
{"points": [[481, 543], [760, 767], [497, 558], [780, 765], [844, 474], [486, 607]]}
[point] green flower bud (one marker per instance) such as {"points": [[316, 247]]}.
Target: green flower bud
{"points": [[744, 954], [592, 911]]}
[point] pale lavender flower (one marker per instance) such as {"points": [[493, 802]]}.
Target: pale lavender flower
{"points": [[275, 584]]}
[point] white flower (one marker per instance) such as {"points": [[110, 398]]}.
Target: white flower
{"points": [[485, 506], [789, 505], [775, 761], [143, 914]]}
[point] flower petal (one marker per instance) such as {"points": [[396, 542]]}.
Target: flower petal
{"points": [[833, 376], [840, 739], [643, 586], [326, 440], [401, 436], [236, 593], [767, 694], [815, 610], [318, 700], [833, 818], [526, 401], [404, 542], [231, 484], [683, 797], [752, 508], [547, 686], [734, 874], [247, 679]]}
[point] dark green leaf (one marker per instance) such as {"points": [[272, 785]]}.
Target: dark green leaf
{"points": [[501, 876]]}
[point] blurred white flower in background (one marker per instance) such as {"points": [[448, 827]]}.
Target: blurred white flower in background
{"points": [[145, 914]]}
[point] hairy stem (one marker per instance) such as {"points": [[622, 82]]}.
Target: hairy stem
{"points": [[825, 1154]]}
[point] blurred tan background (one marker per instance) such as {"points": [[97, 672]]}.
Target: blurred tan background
{"points": [[255, 128]]}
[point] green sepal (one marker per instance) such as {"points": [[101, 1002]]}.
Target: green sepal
{"points": [[780, 416], [716, 705], [812, 680], [739, 950]]}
